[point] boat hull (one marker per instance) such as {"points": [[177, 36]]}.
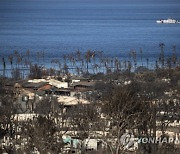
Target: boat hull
{"points": [[168, 21]]}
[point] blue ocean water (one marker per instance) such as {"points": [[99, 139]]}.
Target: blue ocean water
{"points": [[113, 26]]}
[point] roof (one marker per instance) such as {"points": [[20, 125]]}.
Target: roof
{"points": [[37, 80], [34, 85], [60, 89], [40, 92], [78, 78], [57, 83], [84, 83], [69, 100], [46, 87], [10, 83]]}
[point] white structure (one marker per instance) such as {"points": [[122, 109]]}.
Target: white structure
{"points": [[53, 82], [28, 93], [69, 101], [24, 117], [75, 80], [90, 144], [37, 80], [58, 84]]}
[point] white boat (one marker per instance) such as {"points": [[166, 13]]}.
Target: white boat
{"points": [[159, 21], [168, 21]]}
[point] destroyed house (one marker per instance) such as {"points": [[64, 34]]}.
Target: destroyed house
{"points": [[83, 85], [34, 86]]}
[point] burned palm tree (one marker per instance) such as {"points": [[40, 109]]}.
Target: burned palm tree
{"points": [[28, 54], [125, 64], [4, 66], [28, 60], [141, 55], [78, 70], [117, 64], [157, 65], [60, 67], [65, 59], [133, 55], [78, 53], [100, 57], [65, 68], [38, 57], [78, 58], [16, 54], [96, 66], [72, 59], [43, 57], [147, 62], [82, 66], [94, 57], [19, 60], [129, 66], [55, 62], [174, 56], [106, 65], [161, 57], [168, 62], [10, 58], [88, 56]]}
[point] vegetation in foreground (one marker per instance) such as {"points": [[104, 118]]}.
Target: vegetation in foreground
{"points": [[142, 101]]}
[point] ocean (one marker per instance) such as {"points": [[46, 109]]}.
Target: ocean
{"points": [[115, 27]]}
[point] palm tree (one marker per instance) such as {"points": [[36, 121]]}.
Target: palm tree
{"points": [[43, 56], [88, 56], [20, 66], [141, 56], [78, 53], [94, 57], [96, 66], [16, 54], [19, 60], [4, 66], [65, 59], [133, 54], [100, 60], [60, 67], [78, 70], [10, 58], [161, 58], [38, 57], [129, 66], [66, 69], [157, 65], [174, 56], [125, 64], [117, 64], [82, 64], [28, 54], [147, 60], [101, 64], [168, 62]]}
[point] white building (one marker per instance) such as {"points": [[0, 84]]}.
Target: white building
{"points": [[58, 84]]}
